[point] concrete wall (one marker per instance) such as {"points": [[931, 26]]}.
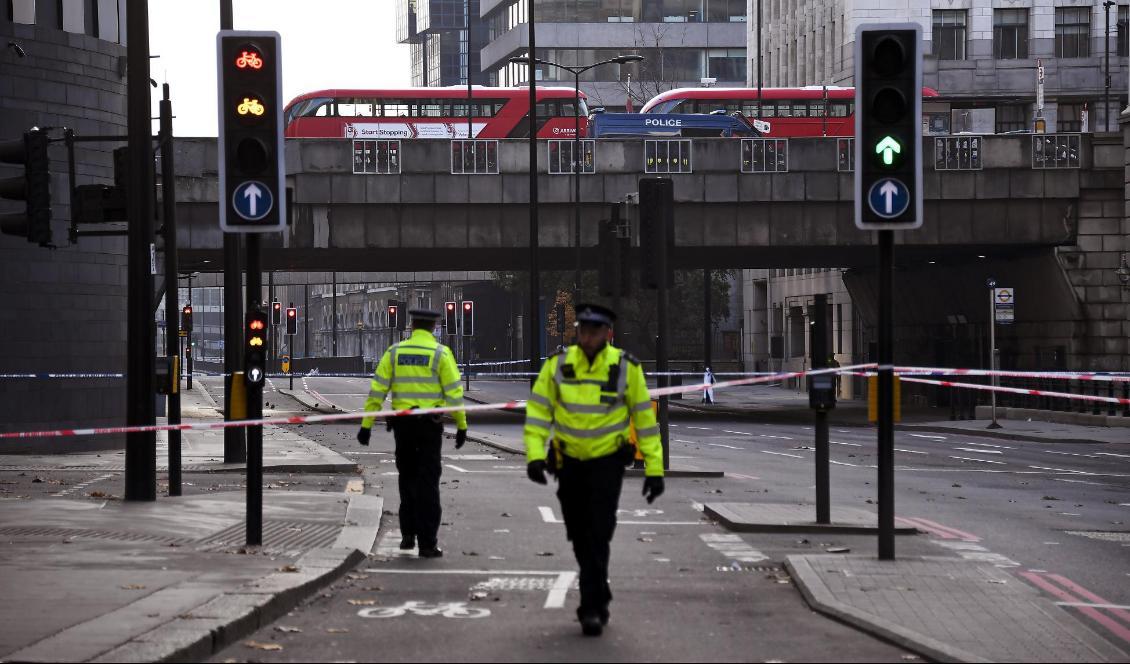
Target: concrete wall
{"points": [[64, 309]]}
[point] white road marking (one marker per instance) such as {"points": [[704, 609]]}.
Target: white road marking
{"points": [[82, 485], [733, 547], [456, 468], [899, 449], [471, 457], [1063, 470], [1089, 456], [739, 433], [842, 463], [700, 428], [726, 446], [970, 551], [765, 435], [556, 597], [355, 487], [389, 546], [979, 460], [921, 435], [689, 442], [795, 456], [999, 447], [741, 477], [1123, 456], [1064, 479], [549, 516], [836, 442], [977, 451], [554, 600], [1123, 607]]}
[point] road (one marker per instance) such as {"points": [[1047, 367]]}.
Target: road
{"points": [[1041, 510]]}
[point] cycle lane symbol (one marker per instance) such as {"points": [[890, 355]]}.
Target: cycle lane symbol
{"points": [[442, 609]]}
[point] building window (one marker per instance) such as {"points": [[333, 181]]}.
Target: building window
{"points": [[1012, 117], [1010, 34], [949, 34], [726, 64], [1069, 116], [1072, 32], [1123, 24]]}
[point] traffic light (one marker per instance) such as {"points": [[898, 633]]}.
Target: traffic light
{"points": [[33, 187], [657, 231], [394, 315], [255, 350], [888, 126], [276, 313], [468, 318], [186, 318], [292, 321], [252, 173], [613, 258], [450, 319]]}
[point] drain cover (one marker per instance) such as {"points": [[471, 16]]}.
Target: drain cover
{"points": [[281, 537]]}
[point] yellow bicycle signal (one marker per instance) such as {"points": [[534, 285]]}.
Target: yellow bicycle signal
{"points": [[251, 106]]}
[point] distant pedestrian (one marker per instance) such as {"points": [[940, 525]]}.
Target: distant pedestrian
{"points": [[708, 393]]}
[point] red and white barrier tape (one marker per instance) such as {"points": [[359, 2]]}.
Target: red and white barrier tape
{"points": [[1053, 375], [1017, 390], [337, 417]]}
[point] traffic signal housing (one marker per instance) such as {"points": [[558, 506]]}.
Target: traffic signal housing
{"points": [[186, 318], [276, 313], [888, 126], [450, 318], [292, 321], [468, 318], [394, 315], [33, 187], [657, 230], [252, 172], [255, 348]]}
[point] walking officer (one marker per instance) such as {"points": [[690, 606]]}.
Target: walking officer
{"points": [[418, 373], [584, 398]]}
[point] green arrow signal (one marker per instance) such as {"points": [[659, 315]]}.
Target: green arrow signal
{"points": [[888, 147]]}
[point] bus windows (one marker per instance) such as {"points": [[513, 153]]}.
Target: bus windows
{"points": [[394, 108], [839, 109]]}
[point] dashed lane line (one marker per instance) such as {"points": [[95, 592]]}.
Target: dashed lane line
{"points": [[795, 456], [977, 451], [1112, 454], [739, 433], [836, 442], [899, 449], [1001, 463], [926, 436], [731, 447], [1076, 454], [999, 447], [1064, 470]]}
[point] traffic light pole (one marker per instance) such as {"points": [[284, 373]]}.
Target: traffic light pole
{"points": [[819, 360], [235, 450], [664, 327], [254, 408], [886, 400], [533, 319], [172, 285], [141, 447]]}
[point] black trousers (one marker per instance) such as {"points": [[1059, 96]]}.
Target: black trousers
{"points": [[418, 441], [589, 492]]}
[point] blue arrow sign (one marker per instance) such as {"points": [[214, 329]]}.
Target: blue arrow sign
{"points": [[888, 198], [252, 200]]}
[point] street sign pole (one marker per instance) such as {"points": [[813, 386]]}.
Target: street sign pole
{"points": [[886, 399]]}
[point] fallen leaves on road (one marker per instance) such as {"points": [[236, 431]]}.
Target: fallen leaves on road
{"points": [[336, 630], [287, 630], [357, 577], [362, 602], [273, 647], [288, 568]]}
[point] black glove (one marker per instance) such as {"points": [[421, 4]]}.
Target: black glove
{"points": [[652, 488], [460, 438], [363, 436], [535, 470]]}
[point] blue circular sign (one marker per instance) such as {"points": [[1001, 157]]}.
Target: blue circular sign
{"points": [[252, 200], [888, 198]]}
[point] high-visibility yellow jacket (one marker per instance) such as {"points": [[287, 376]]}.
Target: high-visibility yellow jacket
{"points": [[586, 407], [417, 372]]}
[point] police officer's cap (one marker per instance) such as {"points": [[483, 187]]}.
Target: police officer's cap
{"points": [[424, 314], [594, 314]]}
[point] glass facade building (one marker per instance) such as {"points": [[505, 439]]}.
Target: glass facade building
{"points": [[443, 50]]}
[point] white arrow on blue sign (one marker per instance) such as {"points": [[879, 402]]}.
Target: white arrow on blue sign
{"points": [[888, 198], [252, 200]]}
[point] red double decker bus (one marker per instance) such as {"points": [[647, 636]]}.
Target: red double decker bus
{"points": [[807, 111], [432, 113]]}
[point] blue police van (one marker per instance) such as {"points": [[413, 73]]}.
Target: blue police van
{"points": [[670, 125]]}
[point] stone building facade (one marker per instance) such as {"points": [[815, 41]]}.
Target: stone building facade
{"points": [[63, 309]]}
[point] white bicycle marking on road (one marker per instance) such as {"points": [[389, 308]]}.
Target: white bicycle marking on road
{"points": [[445, 609], [556, 594]]}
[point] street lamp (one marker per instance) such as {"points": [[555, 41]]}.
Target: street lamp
{"points": [[576, 71], [1106, 42]]}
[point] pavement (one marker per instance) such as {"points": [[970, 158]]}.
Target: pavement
{"points": [[949, 610], [794, 518], [89, 577], [1035, 431]]}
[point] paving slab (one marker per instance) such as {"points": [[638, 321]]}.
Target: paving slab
{"points": [[947, 609], [170, 579], [794, 518]]}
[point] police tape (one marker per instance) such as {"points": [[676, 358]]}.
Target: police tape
{"points": [[1099, 376], [4, 376], [1017, 390], [382, 414]]}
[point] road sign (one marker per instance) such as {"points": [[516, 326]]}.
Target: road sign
{"points": [[252, 200], [888, 198], [1004, 296], [1004, 305]]}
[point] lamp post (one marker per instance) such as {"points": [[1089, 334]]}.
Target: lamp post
{"points": [[1106, 43], [576, 161]]}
